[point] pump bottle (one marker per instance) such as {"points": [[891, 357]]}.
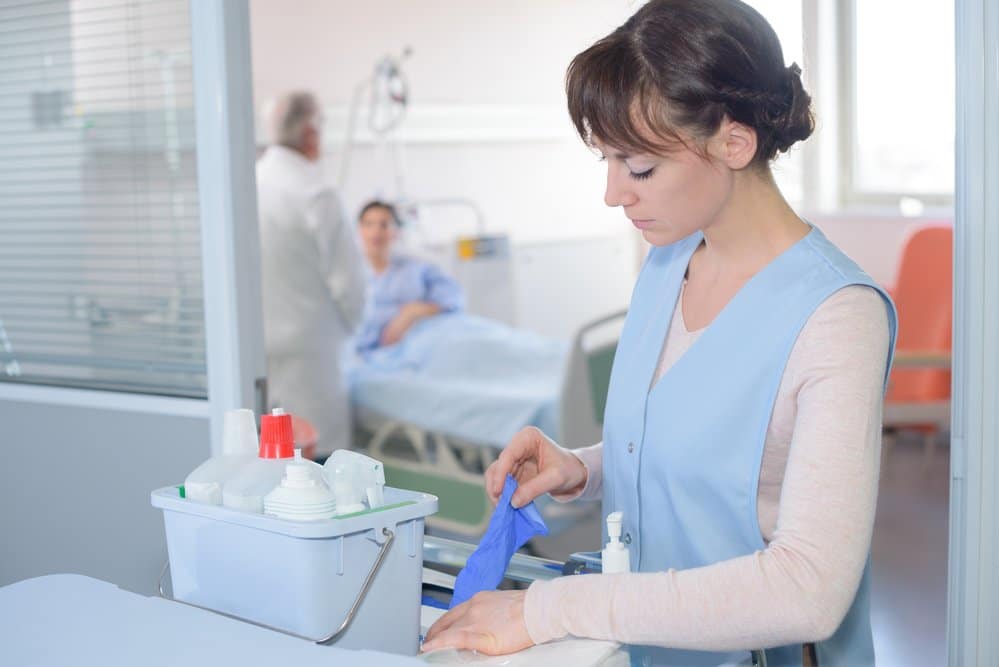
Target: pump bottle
{"points": [[615, 558]]}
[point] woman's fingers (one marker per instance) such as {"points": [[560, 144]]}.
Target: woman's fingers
{"points": [[462, 639], [545, 481], [522, 446], [446, 621]]}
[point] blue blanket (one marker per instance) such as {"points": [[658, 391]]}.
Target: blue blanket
{"points": [[464, 376]]}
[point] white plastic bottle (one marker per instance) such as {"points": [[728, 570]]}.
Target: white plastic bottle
{"points": [[301, 496], [260, 476], [615, 558], [239, 446]]}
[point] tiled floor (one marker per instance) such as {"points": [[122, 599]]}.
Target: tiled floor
{"points": [[909, 603]]}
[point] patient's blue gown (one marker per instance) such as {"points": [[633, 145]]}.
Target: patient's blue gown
{"points": [[406, 279]]}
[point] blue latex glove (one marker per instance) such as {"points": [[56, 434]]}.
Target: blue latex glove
{"points": [[508, 530]]}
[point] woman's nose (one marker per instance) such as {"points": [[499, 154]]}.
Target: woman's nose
{"points": [[618, 192]]}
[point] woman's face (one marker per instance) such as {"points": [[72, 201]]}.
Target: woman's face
{"points": [[667, 197], [378, 231]]}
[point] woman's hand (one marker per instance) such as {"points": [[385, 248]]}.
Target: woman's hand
{"points": [[397, 327], [539, 466], [492, 622], [408, 315]]}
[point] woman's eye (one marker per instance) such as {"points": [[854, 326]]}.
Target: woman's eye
{"points": [[641, 175]]}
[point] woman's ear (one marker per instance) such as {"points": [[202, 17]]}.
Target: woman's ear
{"points": [[734, 144]]}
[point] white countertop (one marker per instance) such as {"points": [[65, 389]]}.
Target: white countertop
{"points": [[67, 619]]}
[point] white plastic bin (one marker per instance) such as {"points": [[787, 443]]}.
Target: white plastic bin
{"points": [[303, 577]]}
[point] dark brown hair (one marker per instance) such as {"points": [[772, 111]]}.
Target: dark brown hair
{"points": [[377, 203], [681, 66]]}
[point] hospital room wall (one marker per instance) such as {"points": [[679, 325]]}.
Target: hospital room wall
{"points": [[75, 484], [472, 64], [874, 241]]}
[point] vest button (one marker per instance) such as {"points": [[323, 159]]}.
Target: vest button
{"points": [[631, 447], [627, 538]]}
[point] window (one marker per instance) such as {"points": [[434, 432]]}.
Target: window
{"points": [[901, 101], [885, 107], [100, 253]]}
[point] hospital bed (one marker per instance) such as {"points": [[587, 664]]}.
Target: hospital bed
{"points": [[437, 432]]}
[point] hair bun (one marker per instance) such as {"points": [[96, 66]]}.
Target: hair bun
{"points": [[796, 122]]}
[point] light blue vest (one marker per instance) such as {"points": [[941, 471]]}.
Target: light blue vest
{"points": [[682, 458]]}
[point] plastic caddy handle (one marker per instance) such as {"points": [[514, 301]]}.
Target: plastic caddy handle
{"points": [[389, 538]]}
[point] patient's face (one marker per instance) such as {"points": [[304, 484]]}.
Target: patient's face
{"points": [[378, 231]]}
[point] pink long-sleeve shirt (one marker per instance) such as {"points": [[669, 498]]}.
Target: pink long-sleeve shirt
{"points": [[816, 502]]}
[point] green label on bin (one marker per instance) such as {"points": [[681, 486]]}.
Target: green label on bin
{"points": [[377, 509]]}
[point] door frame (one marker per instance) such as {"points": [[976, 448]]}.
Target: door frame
{"points": [[973, 577], [226, 152]]}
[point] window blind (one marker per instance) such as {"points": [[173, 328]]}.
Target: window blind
{"points": [[100, 249]]}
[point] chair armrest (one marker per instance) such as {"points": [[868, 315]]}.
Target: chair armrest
{"points": [[921, 359]]}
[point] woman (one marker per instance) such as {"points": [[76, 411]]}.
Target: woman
{"points": [[405, 290], [742, 428]]}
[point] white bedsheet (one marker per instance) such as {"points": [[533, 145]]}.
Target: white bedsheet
{"points": [[464, 376]]}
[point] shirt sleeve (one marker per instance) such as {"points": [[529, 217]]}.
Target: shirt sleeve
{"points": [[799, 588], [442, 289], [341, 262], [592, 459]]}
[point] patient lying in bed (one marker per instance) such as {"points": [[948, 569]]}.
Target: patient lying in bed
{"points": [[464, 376], [405, 290], [423, 361]]}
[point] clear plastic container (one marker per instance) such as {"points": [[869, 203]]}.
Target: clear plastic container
{"points": [[239, 447], [304, 576]]}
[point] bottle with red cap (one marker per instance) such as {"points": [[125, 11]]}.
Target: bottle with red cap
{"points": [[263, 474]]}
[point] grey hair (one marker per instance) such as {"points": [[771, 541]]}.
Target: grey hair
{"points": [[291, 115]]}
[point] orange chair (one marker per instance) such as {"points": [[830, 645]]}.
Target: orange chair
{"points": [[918, 395]]}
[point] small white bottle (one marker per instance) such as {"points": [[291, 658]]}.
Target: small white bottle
{"points": [[239, 447], [302, 494], [615, 558]]}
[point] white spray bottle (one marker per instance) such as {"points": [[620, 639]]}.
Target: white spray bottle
{"points": [[355, 478], [615, 558]]}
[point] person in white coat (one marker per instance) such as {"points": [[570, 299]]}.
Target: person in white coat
{"points": [[313, 275]]}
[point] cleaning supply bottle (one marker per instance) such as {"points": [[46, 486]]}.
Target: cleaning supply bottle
{"points": [[261, 475], [239, 446], [615, 558], [301, 496], [355, 478]]}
